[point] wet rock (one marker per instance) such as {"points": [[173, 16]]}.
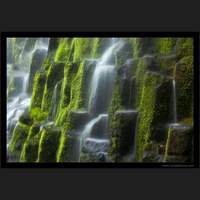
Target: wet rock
{"points": [[179, 142], [48, 145], [94, 145], [37, 60], [78, 119], [163, 110], [123, 134], [99, 129]]}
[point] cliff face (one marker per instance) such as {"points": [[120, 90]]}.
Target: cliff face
{"points": [[150, 114]]}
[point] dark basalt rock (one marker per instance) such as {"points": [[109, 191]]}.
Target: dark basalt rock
{"points": [[179, 143], [99, 129], [49, 143], [163, 113], [123, 136], [78, 119]]}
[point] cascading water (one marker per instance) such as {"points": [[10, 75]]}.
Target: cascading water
{"points": [[100, 96], [174, 102], [18, 77]]}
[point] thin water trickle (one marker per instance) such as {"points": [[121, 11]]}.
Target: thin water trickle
{"points": [[174, 103]]}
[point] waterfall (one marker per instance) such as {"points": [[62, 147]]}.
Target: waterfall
{"points": [[55, 100], [174, 102], [18, 77], [101, 87]]}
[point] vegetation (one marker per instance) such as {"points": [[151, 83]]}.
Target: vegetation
{"points": [[140, 113]]}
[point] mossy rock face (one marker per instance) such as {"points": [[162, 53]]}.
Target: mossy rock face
{"points": [[38, 89], [123, 134], [146, 112], [62, 54], [36, 63], [184, 87], [20, 133], [75, 85], [63, 149], [179, 143], [163, 110], [54, 75], [166, 64], [72, 146], [143, 46], [30, 148], [184, 47], [48, 145]]}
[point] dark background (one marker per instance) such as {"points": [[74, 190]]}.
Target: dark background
{"points": [[71, 184]]}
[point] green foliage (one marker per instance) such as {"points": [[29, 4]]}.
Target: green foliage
{"points": [[38, 115]]}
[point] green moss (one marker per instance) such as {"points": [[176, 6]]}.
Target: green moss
{"points": [[146, 113], [63, 50], [48, 144], [81, 48], [30, 148], [20, 133], [38, 89], [74, 81], [184, 87], [62, 154], [38, 115], [165, 45], [184, 47]]}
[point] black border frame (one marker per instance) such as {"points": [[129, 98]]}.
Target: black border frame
{"points": [[3, 102]]}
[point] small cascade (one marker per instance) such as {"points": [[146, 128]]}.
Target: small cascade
{"points": [[94, 138], [55, 100]]}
